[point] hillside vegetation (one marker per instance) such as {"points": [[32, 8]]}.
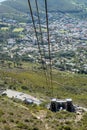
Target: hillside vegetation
{"points": [[15, 115], [75, 7], [32, 80], [28, 77]]}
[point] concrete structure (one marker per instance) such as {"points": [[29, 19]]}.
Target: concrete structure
{"points": [[57, 105]]}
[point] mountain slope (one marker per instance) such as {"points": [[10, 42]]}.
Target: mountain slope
{"points": [[15, 115], [76, 7], [64, 5], [18, 5]]}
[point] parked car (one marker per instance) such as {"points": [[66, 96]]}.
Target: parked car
{"points": [[28, 101]]}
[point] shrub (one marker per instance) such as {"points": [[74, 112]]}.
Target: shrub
{"points": [[35, 128], [67, 128], [11, 120], [4, 121], [22, 125], [7, 127], [1, 113], [24, 87], [26, 120]]}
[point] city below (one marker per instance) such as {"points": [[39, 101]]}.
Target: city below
{"points": [[68, 38]]}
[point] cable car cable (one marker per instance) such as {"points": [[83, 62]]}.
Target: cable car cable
{"points": [[41, 36], [49, 45], [31, 12]]}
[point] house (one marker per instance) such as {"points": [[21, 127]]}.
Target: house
{"points": [[11, 41]]}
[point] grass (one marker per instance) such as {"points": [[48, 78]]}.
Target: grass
{"points": [[15, 117], [18, 29], [4, 28], [31, 77], [18, 116], [24, 24], [33, 81]]}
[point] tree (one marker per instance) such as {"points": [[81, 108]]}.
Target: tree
{"points": [[2, 62], [9, 64]]}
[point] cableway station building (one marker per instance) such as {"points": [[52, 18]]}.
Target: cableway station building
{"points": [[57, 105]]}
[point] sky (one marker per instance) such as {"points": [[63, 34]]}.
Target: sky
{"points": [[2, 0]]}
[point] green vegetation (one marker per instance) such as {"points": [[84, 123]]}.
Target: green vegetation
{"points": [[4, 28], [30, 117], [18, 29], [30, 78], [76, 7]]}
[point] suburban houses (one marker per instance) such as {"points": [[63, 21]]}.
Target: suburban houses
{"points": [[68, 38]]}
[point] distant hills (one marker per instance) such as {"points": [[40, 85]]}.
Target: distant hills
{"points": [[20, 7]]}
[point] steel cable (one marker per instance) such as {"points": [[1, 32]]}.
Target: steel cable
{"points": [[40, 30], [49, 45], [31, 12]]}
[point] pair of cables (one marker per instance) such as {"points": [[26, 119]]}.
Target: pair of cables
{"points": [[42, 54]]}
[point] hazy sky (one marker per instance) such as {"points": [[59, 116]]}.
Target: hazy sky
{"points": [[2, 0]]}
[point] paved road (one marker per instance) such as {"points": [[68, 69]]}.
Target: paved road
{"points": [[22, 96]]}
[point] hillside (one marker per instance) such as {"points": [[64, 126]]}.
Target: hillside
{"points": [[21, 69], [76, 7], [15, 115], [31, 79]]}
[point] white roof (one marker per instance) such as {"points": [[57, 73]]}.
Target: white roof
{"points": [[53, 100], [69, 100]]}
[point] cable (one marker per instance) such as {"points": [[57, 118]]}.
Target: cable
{"points": [[49, 46], [34, 25], [36, 33], [39, 25], [37, 9]]}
